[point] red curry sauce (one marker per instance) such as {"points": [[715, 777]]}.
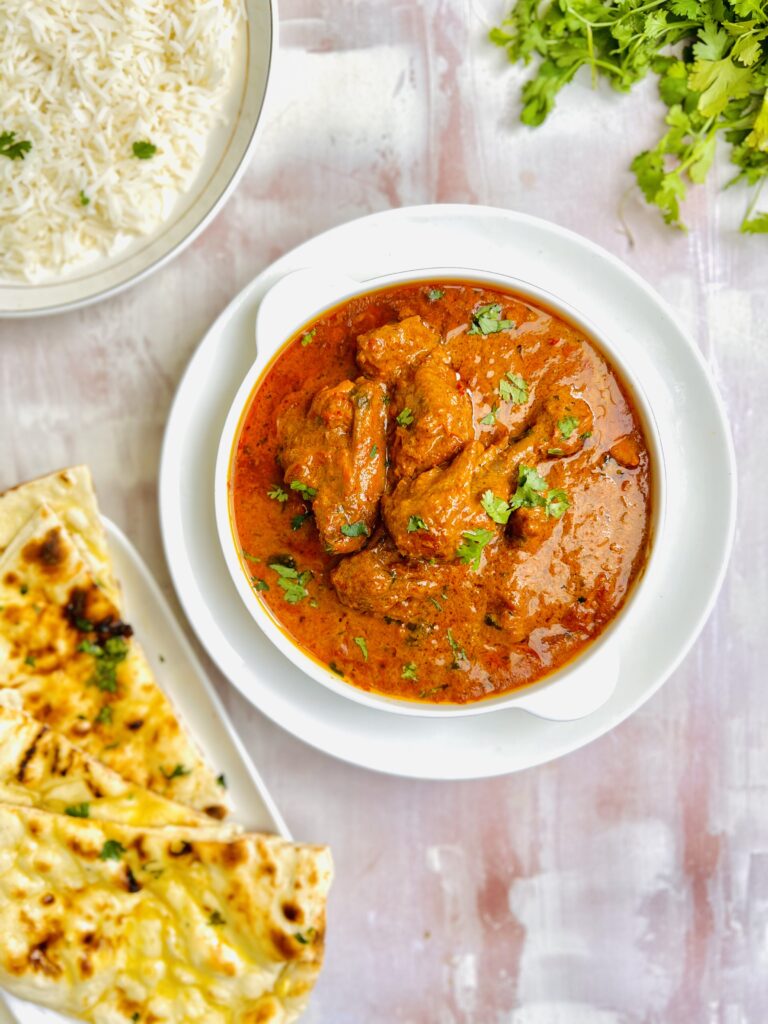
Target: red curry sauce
{"points": [[517, 492]]}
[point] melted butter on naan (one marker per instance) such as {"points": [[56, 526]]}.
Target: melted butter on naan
{"points": [[77, 668], [105, 921], [40, 768]]}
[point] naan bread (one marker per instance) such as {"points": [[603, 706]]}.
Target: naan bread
{"points": [[115, 924], [41, 768], [71, 495], [77, 668]]}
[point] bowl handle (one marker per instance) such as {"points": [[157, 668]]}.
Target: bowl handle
{"points": [[584, 690], [294, 300]]}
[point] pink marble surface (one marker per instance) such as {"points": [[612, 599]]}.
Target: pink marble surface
{"points": [[628, 882]]}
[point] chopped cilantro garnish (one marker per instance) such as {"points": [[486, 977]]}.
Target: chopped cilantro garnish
{"points": [[276, 493], [84, 200], [298, 520], [259, 583], [459, 653], [557, 503], [306, 492], [471, 548], [487, 320], [104, 716], [410, 671], [532, 493], [250, 558], [23, 589], [374, 452], [222, 780], [555, 451], [496, 507], [358, 529], [405, 419], [176, 772], [489, 420], [308, 337], [144, 150], [567, 425], [82, 810], [112, 850], [108, 656], [29, 660], [293, 583], [435, 294], [362, 644], [215, 918], [335, 668], [513, 389], [307, 937], [416, 523], [11, 148]]}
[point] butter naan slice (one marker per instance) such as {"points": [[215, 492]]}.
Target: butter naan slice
{"points": [[41, 768], [112, 924], [70, 493], [77, 668]]}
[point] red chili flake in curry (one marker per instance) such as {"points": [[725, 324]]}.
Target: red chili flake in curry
{"points": [[441, 491]]}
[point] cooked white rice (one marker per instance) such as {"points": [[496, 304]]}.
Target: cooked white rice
{"points": [[83, 80]]}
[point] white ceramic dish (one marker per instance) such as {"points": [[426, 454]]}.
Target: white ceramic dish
{"points": [[181, 675], [577, 689], [679, 389], [227, 155]]}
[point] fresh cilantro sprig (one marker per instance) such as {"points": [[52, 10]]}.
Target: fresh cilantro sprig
{"points": [[11, 148], [711, 61]]}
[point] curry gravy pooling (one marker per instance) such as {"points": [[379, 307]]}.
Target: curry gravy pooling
{"points": [[441, 491]]}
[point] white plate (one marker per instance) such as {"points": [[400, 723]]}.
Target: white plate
{"points": [[227, 154], [181, 675], [669, 369]]}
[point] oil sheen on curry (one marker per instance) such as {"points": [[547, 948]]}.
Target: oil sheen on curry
{"points": [[441, 491]]}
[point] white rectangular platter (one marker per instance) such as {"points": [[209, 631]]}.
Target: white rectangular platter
{"points": [[181, 675]]}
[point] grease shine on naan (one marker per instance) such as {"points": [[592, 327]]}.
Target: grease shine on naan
{"points": [[76, 667], [40, 768], [70, 494], [107, 922]]}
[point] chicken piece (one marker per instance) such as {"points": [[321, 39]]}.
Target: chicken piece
{"points": [[380, 581], [434, 417], [337, 448], [386, 351], [428, 515], [563, 424]]}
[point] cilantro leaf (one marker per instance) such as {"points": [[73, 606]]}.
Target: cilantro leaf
{"points": [[306, 492], [144, 150], [487, 320], [11, 148], [489, 420], [513, 389], [435, 294], [112, 850], [362, 644], [292, 582], [276, 493], [567, 425], [405, 418], [416, 523], [82, 810], [308, 337], [359, 529], [498, 509], [471, 548], [410, 671]]}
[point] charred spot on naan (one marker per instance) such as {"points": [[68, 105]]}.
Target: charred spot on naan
{"points": [[47, 555]]}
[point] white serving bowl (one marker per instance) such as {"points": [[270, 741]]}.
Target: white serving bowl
{"points": [[577, 688], [227, 154]]}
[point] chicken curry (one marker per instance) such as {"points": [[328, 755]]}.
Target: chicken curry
{"points": [[441, 491]]}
